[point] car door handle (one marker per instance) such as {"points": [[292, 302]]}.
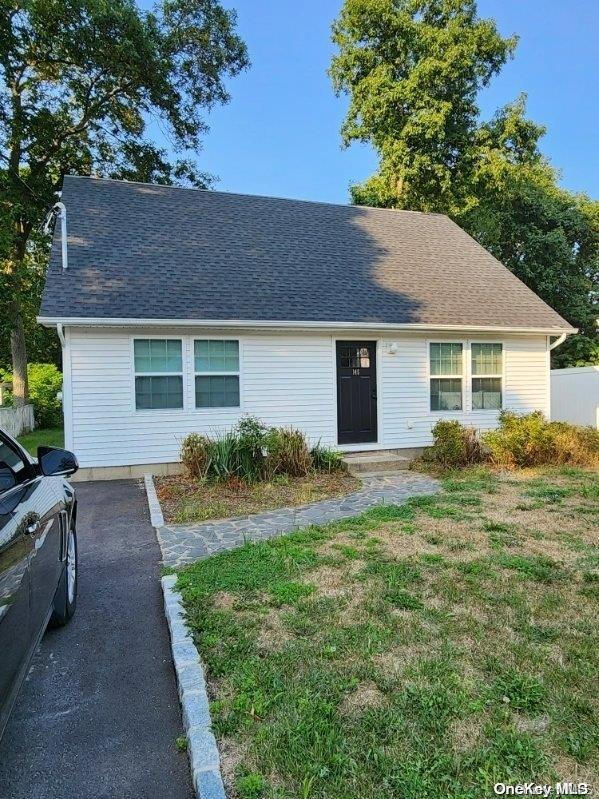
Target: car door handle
{"points": [[32, 528]]}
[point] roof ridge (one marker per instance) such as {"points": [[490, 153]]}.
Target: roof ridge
{"points": [[258, 196]]}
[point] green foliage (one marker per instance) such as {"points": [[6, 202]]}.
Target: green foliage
{"points": [[413, 72], [454, 445], [251, 452], [194, 455], [288, 452], [45, 382], [287, 592], [71, 104], [531, 440], [251, 786], [327, 460]]}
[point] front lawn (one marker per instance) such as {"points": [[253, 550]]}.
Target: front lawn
{"points": [[427, 650], [48, 437], [186, 500]]}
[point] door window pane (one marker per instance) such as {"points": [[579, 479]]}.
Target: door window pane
{"points": [[446, 394], [216, 356], [217, 391], [158, 392], [486, 359], [486, 393], [446, 359], [158, 355]]}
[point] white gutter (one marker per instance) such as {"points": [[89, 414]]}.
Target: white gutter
{"points": [[558, 341], [82, 321], [60, 331]]}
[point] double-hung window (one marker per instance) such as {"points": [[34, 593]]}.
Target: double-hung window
{"points": [[446, 375], [158, 373], [216, 373], [487, 370]]}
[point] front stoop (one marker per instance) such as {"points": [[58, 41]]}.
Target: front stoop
{"points": [[376, 462]]}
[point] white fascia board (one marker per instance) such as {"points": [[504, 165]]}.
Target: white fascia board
{"points": [[50, 321]]}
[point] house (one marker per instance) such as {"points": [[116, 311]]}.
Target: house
{"points": [[180, 310]]}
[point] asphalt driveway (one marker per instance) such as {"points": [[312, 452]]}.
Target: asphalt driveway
{"points": [[98, 714]]}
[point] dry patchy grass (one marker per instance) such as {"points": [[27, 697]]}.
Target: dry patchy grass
{"points": [[433, 648]]}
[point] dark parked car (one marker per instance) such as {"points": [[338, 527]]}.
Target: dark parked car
{"points": [[38, 556]]}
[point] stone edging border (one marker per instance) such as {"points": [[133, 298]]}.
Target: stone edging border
{"points": [[201, 743], [156, 517]]}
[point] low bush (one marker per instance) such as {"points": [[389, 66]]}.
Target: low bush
{"points": [[530, 440], [194, 455], [251, 452], [520, 440], [454, 445], [251, 448], [288, 452], [327, 460]]}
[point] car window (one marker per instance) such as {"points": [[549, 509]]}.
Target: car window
{"points": [[12, 458]]}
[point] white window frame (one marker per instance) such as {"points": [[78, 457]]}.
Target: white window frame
{"points": [[461, 376], [181, 374], [500, 375], [200, 409]]}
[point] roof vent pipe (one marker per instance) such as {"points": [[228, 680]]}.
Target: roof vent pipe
{"points": [[61, 207]]}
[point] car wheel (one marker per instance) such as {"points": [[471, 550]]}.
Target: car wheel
{"points": [[65, 600]]}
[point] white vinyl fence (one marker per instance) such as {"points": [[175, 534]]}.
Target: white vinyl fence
{"points": [[15, 421], [575, 395]]}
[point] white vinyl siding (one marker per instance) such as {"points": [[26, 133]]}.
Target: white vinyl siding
{"points": [[285, 379]]}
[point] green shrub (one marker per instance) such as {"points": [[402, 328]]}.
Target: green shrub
{"points": [[454, 445], [287, 452], [194, 455], [530, 440], [251, 448], [45, 382], [223, 461], [248, 452], [327, 460]]}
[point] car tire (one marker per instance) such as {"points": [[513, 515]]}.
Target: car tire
{"points": [[65, 600]]}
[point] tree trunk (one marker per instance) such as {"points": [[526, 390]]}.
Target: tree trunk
{"points": [[18, 348]]}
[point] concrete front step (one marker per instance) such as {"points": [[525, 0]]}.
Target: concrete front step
{"points": [[376, 462]]}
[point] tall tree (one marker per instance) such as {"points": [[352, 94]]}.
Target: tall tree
{"points": [[79, 81], [546, 235], [412, 70]]}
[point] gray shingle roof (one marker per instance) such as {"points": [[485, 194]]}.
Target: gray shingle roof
{"points": [[154, 252]]}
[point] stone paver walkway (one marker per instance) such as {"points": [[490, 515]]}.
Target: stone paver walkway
{"points": [[185, 543]]}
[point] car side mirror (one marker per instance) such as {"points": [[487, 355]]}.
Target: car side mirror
{"points": [[8, 478], [55, 462]]}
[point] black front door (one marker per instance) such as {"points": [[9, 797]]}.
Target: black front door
{"points": [[356, 392]]}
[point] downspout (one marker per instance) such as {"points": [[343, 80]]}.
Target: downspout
{"points": [[60, 331], [559, 340]]}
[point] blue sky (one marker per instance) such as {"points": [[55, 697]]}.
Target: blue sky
{"points": [[279, 135]]}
